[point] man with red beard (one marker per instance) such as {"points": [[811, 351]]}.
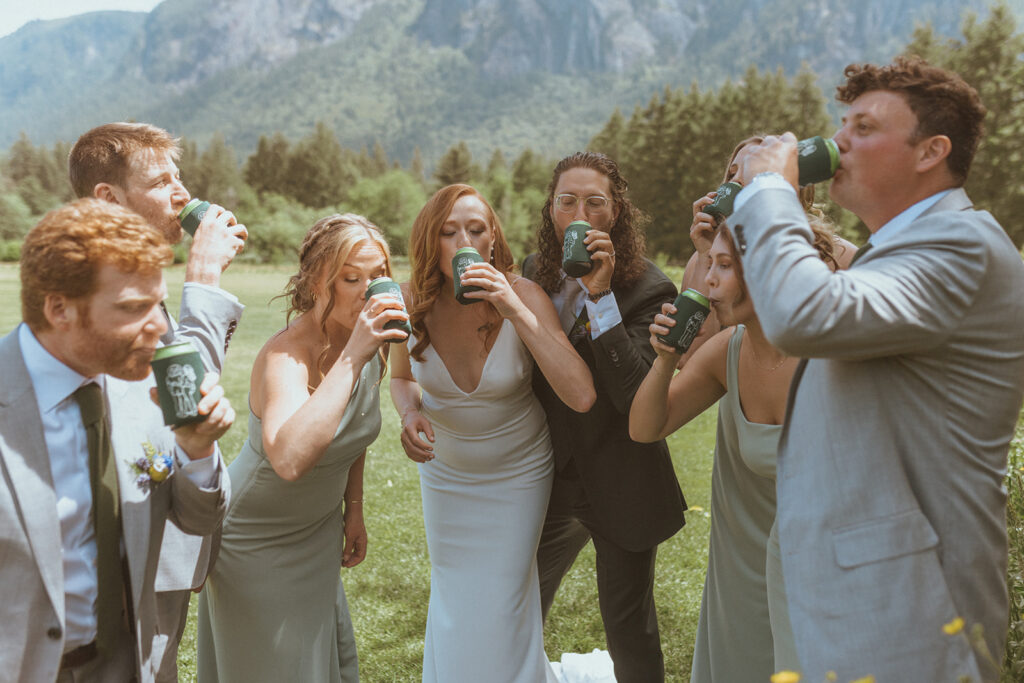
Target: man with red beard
{"points": [[80, 525]]}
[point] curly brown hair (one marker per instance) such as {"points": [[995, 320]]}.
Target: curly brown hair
{"points": [[942, 101], [63, 253], [324, 250], [424, 256], [627, 234]]}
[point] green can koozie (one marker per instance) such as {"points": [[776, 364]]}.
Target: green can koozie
{"points": [[691, 311], [725, 197], [817, 159], [385, 285], [576, 261], [463, 259], [179, 371], [192, 215]]}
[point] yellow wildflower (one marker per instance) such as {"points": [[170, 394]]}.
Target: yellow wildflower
{"points": [[831, 677], [866, 679], [786, 677], [953, 627]]}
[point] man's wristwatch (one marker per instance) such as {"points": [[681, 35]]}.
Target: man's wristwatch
{"points": [[599, 295]]}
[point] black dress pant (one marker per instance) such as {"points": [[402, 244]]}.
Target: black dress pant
{"points": [[625, 580]]}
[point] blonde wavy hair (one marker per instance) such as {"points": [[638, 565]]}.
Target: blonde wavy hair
{"points": [[323, 253]]}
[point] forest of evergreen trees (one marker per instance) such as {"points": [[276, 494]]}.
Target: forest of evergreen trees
{"points": [[672, 150]]}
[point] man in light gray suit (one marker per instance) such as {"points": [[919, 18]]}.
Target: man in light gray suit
{"points": [[133, 164], [891, 464], [75, 376]]}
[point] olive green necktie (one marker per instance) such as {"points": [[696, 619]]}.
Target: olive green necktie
{"points": [[105, 516]]}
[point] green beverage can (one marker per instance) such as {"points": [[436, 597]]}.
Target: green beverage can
{"points": [[691, 311], [385, 285], [817, 159], [576, 261], [725, 196], [179, 372], [463, 259], [192, 215]]}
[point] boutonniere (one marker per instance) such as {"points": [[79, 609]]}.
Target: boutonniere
{"points": [[152, 467]]}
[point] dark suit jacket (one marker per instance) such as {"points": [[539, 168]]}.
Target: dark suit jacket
{"points": [[631, 487]]}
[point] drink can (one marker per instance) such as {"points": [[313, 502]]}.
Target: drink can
{"points": [[692, 310], [817, 159], [385, 285], [725, 197], [179, 372], [576, 261], [192, 215], [464, 258]]}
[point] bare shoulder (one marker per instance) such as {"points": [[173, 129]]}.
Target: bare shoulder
{"points": [[530, 292], [713, 355]]}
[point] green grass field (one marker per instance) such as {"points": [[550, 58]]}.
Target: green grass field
{"points": [[388, 592]]}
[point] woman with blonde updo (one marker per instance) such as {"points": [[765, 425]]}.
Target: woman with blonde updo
{"points": [[296, 514]]}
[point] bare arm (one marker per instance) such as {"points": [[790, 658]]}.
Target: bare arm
{"points": [[298, 425], [664, 403], [355, 529], [537, 324], [405, 394]]}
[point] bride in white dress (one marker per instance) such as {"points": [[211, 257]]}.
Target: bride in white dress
{"points": [[462, 386]]}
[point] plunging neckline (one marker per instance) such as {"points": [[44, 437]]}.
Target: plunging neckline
{"points": [[483, 371]]}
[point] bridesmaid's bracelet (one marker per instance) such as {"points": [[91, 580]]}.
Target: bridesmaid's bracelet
{"points": [[349, 502]]}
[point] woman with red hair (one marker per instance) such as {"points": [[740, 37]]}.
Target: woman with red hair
{"points": [[462, 386]]}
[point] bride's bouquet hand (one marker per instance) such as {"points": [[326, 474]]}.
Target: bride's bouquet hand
{"points": [[417, 437]]}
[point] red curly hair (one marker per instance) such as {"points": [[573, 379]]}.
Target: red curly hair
{"points": [[64, 252]]}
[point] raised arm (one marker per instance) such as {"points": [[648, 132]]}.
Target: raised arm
{"points": [[664, 403], [533, 315], [298, 424], [903, 297]]}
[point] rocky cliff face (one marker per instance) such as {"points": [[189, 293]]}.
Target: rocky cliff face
{"points": [[186, 41], [512, 37]]}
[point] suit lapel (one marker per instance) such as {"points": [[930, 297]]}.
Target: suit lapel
{"points": [[27, 461]]}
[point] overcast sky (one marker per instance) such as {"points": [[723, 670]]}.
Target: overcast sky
{"points": [[16, 13]]}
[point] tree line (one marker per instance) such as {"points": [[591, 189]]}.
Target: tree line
{"points": [[673, 150]]}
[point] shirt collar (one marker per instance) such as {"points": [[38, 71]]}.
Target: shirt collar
{"points": [[905, 218], [52, 380]]}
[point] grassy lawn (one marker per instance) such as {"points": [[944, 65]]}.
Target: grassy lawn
{"points": [[388, 592]]}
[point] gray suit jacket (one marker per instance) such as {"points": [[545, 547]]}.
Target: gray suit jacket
{"points": [[208, 319], [31, 569], [891, 506]]}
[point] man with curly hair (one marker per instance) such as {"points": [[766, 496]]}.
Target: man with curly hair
{"points": [[621, 494], [891, 464]]}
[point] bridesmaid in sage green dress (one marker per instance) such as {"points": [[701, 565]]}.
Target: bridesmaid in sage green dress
{"points": [[273, 608], [743, 633]]}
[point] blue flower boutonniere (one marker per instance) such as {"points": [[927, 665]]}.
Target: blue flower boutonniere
{"points": [[151, 468]]}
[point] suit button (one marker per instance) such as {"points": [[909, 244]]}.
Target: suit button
{"points": [[54, 633]]}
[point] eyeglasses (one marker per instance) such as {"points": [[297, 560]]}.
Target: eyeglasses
{"points": [[593, 204]]}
